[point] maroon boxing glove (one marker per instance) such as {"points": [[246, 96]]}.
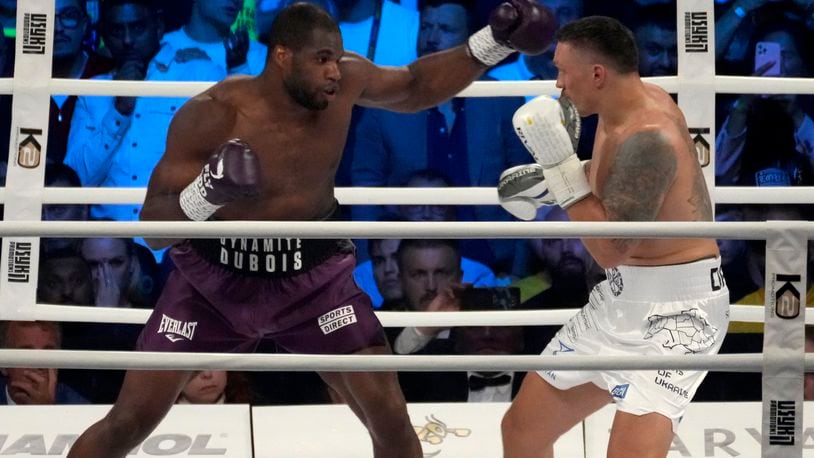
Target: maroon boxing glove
{"points": [[522, 25], [232, 173]]}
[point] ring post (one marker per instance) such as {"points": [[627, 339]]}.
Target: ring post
{"points": [[784, 342]]}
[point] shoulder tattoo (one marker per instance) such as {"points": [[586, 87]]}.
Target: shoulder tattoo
{"points": [[642, 172]]}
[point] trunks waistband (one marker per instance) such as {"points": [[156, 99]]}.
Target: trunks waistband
{"points": [[269, 257], [667, 283]]}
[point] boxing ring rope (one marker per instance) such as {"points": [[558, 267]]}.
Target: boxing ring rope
{"points": [[423, 196], [76, 359], [722, 84], [380, 229]]}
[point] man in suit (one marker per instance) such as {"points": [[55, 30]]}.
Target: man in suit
{"points": [[469, 140]]}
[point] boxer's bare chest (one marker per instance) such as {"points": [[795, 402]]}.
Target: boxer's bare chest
{"points": [[299, 156]]}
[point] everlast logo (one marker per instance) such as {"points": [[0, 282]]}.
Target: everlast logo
{"points": [[696, 31], [157, 445], [19, 261], [175, 330], [29, 149], [782, 416], [787, 296], [701, 144], [34, 33]]}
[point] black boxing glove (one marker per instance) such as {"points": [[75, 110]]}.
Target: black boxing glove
{"points": [[231, 173], [522, 25]]}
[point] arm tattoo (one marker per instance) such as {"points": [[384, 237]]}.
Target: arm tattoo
{"points": [[699, 198], [642, 173]]}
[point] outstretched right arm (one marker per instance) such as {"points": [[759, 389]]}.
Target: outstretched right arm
{"points": [[515, 25], [199, 127]]}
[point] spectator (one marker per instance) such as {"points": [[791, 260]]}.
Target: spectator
{"points": [[381, 30], [208, 35], [116, 141], [481, 253], [566, 275], [24, 386], [742, 153], [473, 386], [217, 387], [60, 175], [740, 271], [469, 140], [70, 60], [451, 138], [429, 272], [378, 276], [266, 11], [118, 274], [655, 32], [64, 278]]}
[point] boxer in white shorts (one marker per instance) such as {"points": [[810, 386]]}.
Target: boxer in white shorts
{"points": [[663, 296], [643, 311]]}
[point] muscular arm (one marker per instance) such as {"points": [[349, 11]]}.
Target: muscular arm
{"points": [[196, 130], [426, 82], [643, 171]]}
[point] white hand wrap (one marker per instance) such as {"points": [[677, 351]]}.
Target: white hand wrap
{"points": [[567, 181], [522, 190], [485, 49], [193, 202]]}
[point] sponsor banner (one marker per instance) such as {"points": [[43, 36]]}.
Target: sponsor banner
{"points": [[446, 430], [696, 76], [708, 429], [27, 149], [188, 430], [784, 342]]}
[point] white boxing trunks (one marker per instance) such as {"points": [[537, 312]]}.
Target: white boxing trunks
{"points": [[664, 310]]}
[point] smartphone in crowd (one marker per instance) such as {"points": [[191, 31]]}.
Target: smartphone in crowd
{"points": [[490, 298], [765, 52]]}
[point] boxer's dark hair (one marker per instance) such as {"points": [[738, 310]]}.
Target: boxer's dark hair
{"points": [[606, 37], [294, 24]]}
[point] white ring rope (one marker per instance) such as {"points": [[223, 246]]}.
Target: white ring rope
{"points": [[76, 359], [740, 230], [78, 313], [424, 196], [722, 84]]}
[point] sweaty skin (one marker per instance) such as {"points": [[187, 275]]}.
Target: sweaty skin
{"points": [[299, 149], [643, 168]]}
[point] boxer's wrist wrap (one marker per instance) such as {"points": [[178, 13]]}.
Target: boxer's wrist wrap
{"points": [[485, 49], [567, 181], [193, 202]]}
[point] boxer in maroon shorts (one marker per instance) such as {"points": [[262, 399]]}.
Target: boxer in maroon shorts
{"points": [[206, 303], [267, 148]]}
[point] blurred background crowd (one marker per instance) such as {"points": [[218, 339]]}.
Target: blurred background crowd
{"points": [[103, 141]]}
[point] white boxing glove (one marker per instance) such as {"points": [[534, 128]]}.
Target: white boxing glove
{"points": [[550, 131], [522, 190]]}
